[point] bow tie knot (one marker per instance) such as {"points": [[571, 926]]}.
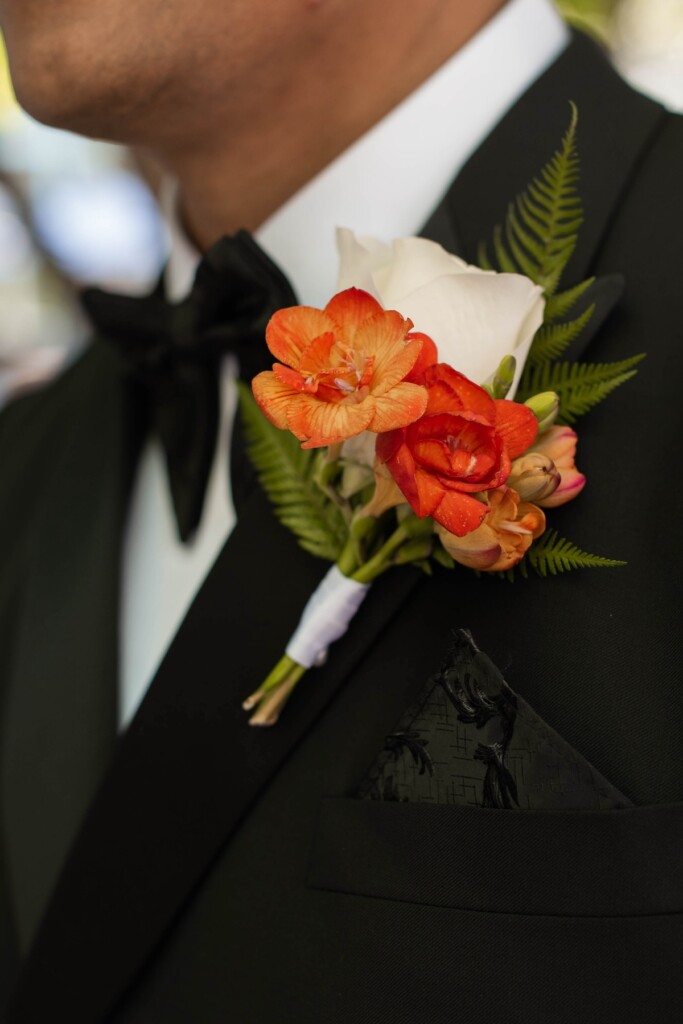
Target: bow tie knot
{"points": [[172, 352]]}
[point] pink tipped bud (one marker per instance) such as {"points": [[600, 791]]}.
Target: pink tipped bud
{"points": [[571, 485]]}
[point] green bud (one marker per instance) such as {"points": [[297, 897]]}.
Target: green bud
{"points": [[504, 375], [545, 408]]}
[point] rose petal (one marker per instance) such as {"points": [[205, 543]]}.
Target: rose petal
{"points": [[414, 263], [476, 319]]}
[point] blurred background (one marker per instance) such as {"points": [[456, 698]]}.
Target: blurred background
{"points": [[75, 212]]}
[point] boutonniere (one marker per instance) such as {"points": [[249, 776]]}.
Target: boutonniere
{"points": [[426, 416]]}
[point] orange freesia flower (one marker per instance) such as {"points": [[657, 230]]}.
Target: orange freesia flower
{"points": [[463, 445], [503, 538], [342, 370]]}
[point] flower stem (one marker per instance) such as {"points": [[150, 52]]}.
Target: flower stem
{"points": [[271, 696], [347, 563], [382, 560]]}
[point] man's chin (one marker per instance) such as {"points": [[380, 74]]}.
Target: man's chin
{"points": [[84, 104], [83, 89]]}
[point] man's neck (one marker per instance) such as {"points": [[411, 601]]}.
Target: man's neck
{"points": [[250, 154]]}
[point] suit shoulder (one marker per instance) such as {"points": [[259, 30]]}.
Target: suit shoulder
{"points": [[648, 223], [33, 428]]}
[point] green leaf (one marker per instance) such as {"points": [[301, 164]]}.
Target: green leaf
{"points": [[552, 554], [551, 340], [562, 303], [286, 473], [541, 227], [579, 385]]}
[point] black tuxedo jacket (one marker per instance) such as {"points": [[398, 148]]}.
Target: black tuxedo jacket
{"points": [[223, 873]]}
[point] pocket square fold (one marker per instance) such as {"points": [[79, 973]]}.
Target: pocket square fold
{"points": [[470, 740]]}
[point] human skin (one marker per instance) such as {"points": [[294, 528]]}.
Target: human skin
{"points": [[242, 101]]}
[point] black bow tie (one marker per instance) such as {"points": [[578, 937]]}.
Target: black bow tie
{"points": [[173, 351]]}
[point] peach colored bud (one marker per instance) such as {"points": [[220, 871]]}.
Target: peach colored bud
{"points": [[534, 476], [559, 444], [571, 485], [503, 538]]}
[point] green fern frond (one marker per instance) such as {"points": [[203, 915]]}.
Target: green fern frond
{"points": [[483, 260], [580, 386], [562, 303], [541, 226], [286, 473], [553, 554], [551, 340]]}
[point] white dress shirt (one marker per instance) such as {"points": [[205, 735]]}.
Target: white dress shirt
{"points": [[386, 185]]}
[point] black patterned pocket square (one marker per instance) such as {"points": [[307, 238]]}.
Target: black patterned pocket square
{"points": [[470, 740]]}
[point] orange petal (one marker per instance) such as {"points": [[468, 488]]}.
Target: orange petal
{"points": [[273, 397], [460, 513], [400, 463], [291, 330], [404, 404], [478, 549], [531, 518], [321, 423], [315, 358], [385, 337], [516, 424], [349, 309], [388, 444], [286, 375], [428, 357], [452, 392]]}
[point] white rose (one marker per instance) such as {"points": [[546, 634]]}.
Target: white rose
{"points": [[475, 317]]}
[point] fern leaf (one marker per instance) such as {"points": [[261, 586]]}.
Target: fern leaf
{"points": [[541, 226], [551, 340], [580, 386], [553, 554], [286, 473], [562, 303], [483, 260]]}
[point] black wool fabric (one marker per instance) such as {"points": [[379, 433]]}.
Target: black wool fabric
{"points": [[223, 873]]}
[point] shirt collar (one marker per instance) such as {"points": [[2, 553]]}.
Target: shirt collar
{"points": [[389, 181]]}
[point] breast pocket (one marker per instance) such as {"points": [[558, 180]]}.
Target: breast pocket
{"points": [[449, 914], [575, 863]]}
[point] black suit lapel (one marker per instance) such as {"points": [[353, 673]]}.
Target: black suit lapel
{"points": [[60, 718], [518, 148], [188, 768]]}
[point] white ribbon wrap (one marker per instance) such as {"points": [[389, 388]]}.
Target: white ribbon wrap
{"points": [[326, 617]]}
